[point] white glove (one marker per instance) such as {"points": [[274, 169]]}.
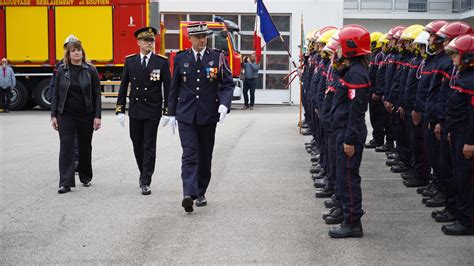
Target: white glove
{"points": [[172, 121], [121, 119], [223, 111]]}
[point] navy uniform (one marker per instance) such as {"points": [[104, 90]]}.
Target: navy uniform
{"points": [[197, 93], [146, 74], [460, 125], [376, 108]]}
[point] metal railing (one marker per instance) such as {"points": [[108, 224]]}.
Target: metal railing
{"points": [[425, 6]]}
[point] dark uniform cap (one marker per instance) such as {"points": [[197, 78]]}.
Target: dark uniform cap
{"points": [[198, 28], [146, 32]]}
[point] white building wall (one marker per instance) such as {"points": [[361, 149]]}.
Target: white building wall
{"points": [[317, 13]]}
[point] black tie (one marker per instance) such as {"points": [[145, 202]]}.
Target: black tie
{"points": [[144, 62], [198, 62]]}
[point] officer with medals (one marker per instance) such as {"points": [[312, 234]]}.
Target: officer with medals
{"points": [[200, 96], [146, 73]]}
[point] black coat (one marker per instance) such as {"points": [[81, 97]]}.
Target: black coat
{"points": [[146, 96], [90, 85]]}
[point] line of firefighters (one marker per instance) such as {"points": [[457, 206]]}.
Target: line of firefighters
{"points": [[418, 83]]}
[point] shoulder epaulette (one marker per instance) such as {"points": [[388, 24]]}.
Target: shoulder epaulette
{"points": [[162, 56], [181, 51], [130, 55], [218, 50]]}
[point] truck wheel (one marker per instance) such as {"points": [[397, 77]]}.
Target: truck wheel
{"points": [[40, 94], [19, 97]]}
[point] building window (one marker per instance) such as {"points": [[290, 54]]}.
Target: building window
{"points": [[417, 5], [275, 62]]}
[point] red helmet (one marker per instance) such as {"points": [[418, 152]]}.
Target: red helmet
{"points": [[355, 40], [454, 29], [464, 45], [394, 30], [434, 26]]}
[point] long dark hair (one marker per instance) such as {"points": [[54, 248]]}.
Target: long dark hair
{"points": [[71, 46]]}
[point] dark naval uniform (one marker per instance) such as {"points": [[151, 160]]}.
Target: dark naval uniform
{"points": [[145, 106], [196, 93]]}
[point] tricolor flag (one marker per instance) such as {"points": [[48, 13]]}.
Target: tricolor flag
{"points": [[265, 29]]}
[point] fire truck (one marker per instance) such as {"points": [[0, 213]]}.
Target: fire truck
{"points": [[35, 31]]}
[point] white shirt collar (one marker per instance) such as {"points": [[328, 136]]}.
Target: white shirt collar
{"points": [[201, 52], [147, 56]]}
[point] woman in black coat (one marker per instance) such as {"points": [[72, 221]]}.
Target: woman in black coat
{"points": [[76, 107]]}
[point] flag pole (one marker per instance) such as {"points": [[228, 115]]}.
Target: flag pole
{"points": [[300, 123]]}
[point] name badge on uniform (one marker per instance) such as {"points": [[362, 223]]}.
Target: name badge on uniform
{"points": [[155, 75]]}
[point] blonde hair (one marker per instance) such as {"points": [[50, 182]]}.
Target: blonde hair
{"points": [[71, 46]]}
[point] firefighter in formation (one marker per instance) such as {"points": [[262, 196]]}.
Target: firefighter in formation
{"points": [[417, 83]]}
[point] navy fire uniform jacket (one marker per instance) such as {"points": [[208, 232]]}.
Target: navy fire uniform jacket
{"points": [[399, 79], [424, 79], [350, 102], [411, 85], [460, 104], [442, 67], [379, 86], [322, 82], [390, 68], [375, 61]]}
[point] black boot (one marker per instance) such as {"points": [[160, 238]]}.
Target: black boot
{"points": [[320, 183], [345, 230], [334, 217], [457, 229], [439, 200], [326, 192]]}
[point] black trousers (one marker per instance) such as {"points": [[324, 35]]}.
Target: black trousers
{"points": [[197, 142], [347, 176], [143, 133], [249, 85], [377, 113], [5, 95], [432, 149], [69, 126], [446, 175], [464, 173], [417, 145]]}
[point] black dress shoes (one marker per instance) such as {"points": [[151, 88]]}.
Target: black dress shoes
{"points": [[88, 184], [187, 204], [457, 229], [345, 230], [63, 190], [392, 162], [145, 190], [201, 201], [331, 203]]}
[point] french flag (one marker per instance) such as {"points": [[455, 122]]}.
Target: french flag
{"points": [[265, 30]]}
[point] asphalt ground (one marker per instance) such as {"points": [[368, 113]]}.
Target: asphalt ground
{"points": [[261, 209]]}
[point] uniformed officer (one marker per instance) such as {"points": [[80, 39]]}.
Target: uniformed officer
{"points": [[460, 128], [147, 73], [349, 106], [376, 108], [200, 96]]}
